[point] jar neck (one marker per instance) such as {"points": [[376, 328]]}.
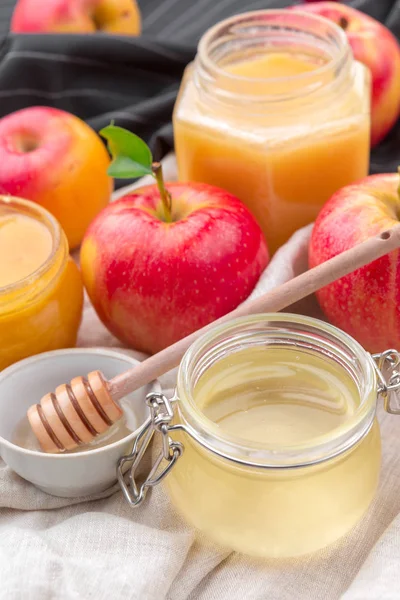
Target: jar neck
{"points": [[27, 290], [282, 331], [251, 35]]}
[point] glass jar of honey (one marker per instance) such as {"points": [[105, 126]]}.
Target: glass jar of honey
{"points": [[275, 110], [41, 292], [273, 449]]}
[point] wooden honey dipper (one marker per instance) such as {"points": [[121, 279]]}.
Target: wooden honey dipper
{"points": [[77, 412]]}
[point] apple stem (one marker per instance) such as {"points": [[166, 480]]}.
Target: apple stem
{"points": [[164, 193]]}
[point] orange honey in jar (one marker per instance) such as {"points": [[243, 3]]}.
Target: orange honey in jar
{"points": [[275, 110], [41, 292]]}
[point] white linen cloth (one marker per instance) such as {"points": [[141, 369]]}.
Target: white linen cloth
{"points": [[58, 549]]}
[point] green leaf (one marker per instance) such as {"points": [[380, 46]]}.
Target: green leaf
{"points": [[131, 155], [123, 167]]}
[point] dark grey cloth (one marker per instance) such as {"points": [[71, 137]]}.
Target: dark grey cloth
{"points": [[135, 80]]}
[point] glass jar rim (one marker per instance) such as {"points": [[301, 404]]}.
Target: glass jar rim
{"points": [[209, 435], [333, 64], [35, 211]]}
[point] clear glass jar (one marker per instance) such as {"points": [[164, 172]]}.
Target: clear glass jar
{"points": [[42, 311], [282, 136], [270, 496]]}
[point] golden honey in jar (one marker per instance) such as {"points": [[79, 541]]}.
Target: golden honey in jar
{"points": [[41, 293], [281, 445], [275, 110]]}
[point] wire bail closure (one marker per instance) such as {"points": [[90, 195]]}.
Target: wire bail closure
{"points": [[387, 365], [161, 415]]}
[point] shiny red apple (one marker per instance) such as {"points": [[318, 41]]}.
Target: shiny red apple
{"points": [[53, 158], [377, 48], [366, 303], [153, 282]]}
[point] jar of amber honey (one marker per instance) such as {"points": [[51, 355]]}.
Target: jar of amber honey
{"points": [[41, 292], [271, 442], [276, 110]]}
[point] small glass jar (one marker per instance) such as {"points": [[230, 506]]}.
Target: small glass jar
{"points": [[282, 136], [42, 311], [263, 498]]}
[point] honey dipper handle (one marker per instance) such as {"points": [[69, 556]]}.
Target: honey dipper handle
{"points": [[273, 301]]}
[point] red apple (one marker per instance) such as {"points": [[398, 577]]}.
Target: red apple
{"points": [[55, 159], [76, 16], [375, 46], [366, 303], [153, 282]]}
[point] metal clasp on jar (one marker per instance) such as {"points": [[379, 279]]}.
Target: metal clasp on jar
{"points": [[161, 415], [387, 366]]}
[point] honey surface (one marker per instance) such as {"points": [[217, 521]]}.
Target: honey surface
{"points": [[25, 245], [276, 396], [276, 64]]}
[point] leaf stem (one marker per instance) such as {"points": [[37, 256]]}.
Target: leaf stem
{"points": [[164, 193]]}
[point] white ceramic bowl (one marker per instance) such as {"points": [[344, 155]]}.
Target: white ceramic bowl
{"points": [[24, 383]]}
